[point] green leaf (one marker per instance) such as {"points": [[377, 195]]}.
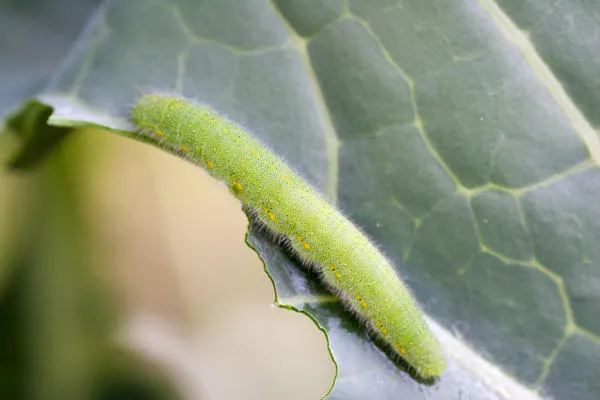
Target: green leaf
{"points": [[37, 137], [35, 37], [461, 136]]}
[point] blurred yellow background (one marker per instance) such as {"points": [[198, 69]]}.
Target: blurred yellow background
{"points": [[192, 298]]}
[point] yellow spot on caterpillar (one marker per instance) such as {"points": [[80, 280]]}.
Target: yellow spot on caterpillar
{"points": [[337, 274], [184, 148], [285, 178], [383, 330], [303, 243], [362, 303], [160, 133], [252, 150], [210, 164], [401, 349], [269, 213], [237, 186]]}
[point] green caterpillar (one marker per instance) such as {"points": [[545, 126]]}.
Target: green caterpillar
{"points": [[350, 265]]}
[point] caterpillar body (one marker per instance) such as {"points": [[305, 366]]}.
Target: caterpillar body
{"points": [[349, 264]]}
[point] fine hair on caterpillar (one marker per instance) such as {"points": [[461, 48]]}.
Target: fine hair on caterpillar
{"points": [[313, 271], [349, 264]]}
